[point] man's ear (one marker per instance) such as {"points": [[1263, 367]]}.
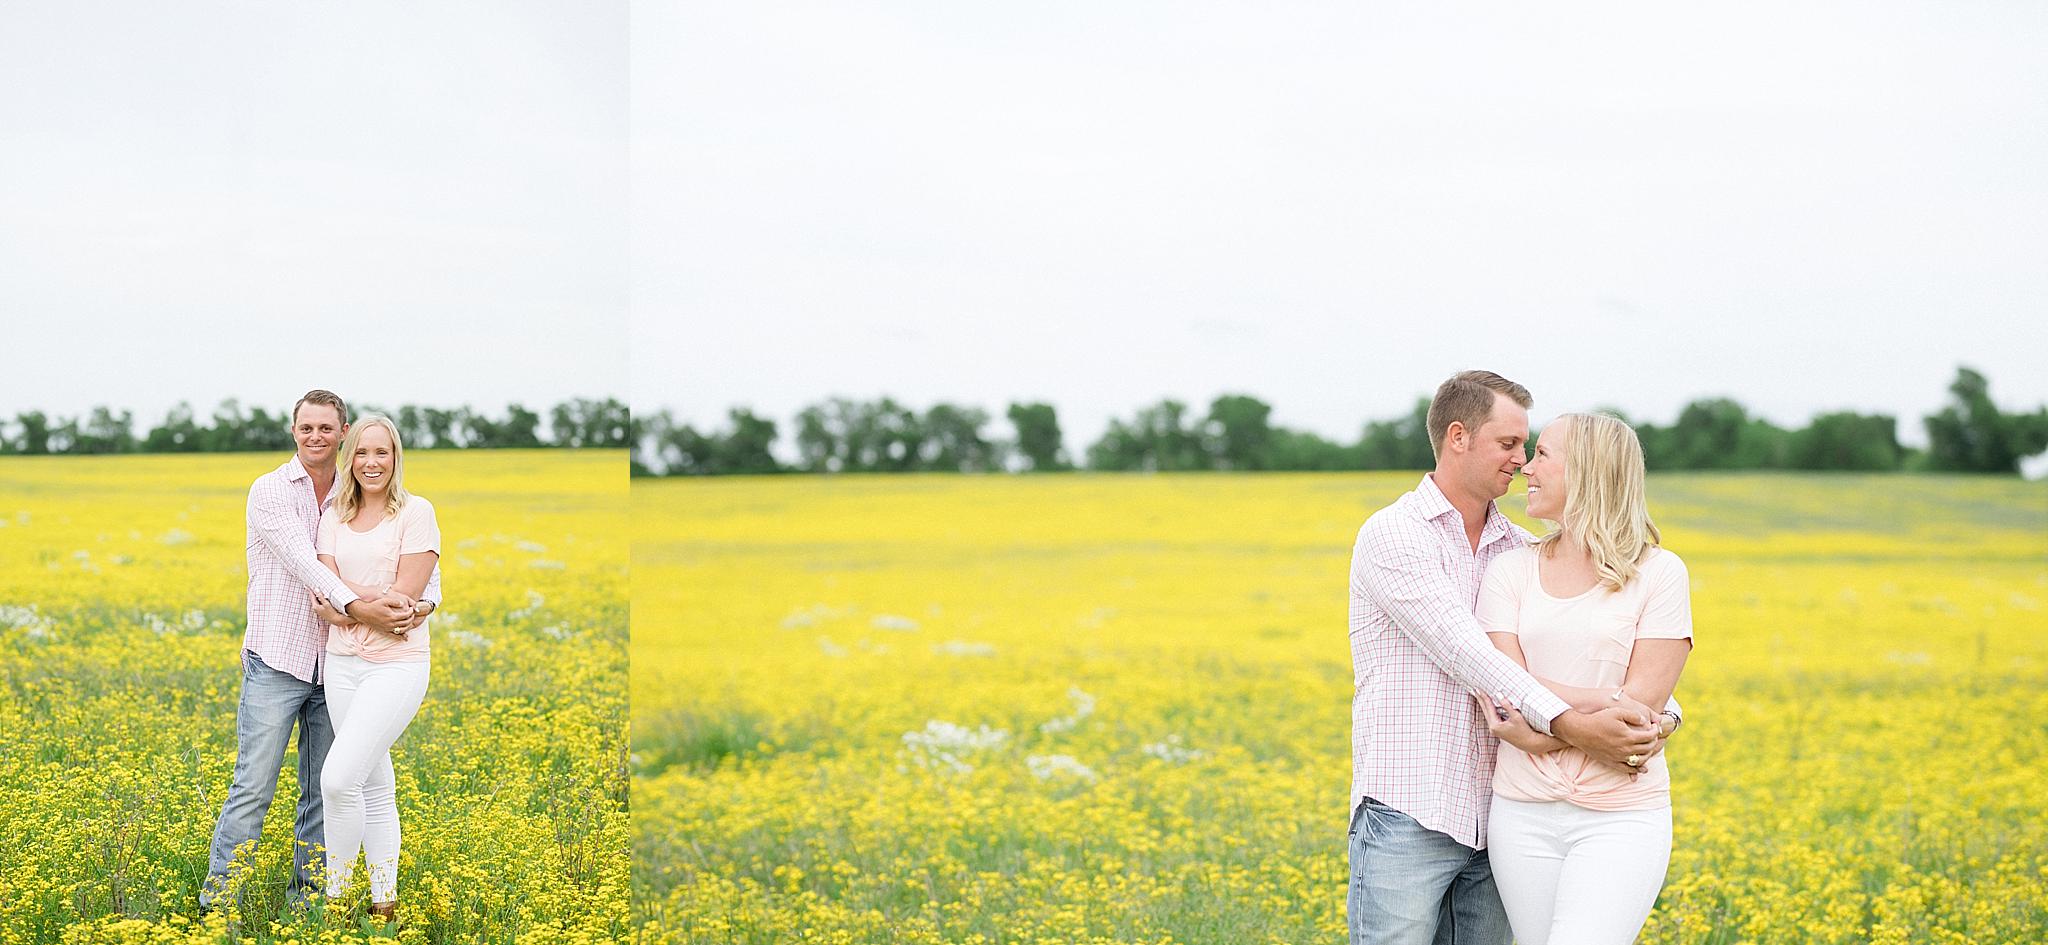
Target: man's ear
{"points": [[344, 429], [1454, 434]]}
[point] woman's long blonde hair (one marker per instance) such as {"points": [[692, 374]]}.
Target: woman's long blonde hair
{"points": [[1604, 506], [348, 499]]}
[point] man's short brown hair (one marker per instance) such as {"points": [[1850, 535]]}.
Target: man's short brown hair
{"points": [[325, 398], [1468, 399]]}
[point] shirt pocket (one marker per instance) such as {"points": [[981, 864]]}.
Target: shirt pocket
{"points": [[386, 550], [1613, 638]]}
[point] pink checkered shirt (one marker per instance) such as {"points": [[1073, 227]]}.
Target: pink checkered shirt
{"points": [[1418, 741], [283, 519]]}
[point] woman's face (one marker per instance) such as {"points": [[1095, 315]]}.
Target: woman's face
{"points": [[372, 462], [1545, 473]]}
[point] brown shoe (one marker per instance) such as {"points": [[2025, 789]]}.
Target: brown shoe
{"points": [[386, 912]]}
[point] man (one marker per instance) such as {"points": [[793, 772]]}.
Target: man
{"points": [[284, 644], [1421, 753]]}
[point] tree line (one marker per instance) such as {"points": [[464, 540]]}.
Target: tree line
{"points": [[576, 423], [1968, 434]]}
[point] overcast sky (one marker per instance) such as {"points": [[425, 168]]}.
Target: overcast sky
{"points": [[1333, 206], [419, 203]]}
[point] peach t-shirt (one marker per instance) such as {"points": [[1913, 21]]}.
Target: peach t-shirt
{"points": [[1584, 640], [371, 558]]}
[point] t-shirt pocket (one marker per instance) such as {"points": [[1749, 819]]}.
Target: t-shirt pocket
{"points": [[1613, 639], [386, 549]]}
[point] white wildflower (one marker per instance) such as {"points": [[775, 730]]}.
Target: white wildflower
{"points": [[964, 648], [1084, 706], [534, 602], [943, 746], [1048, 767], [29, 620], [893, 622], [471, 639], [1172, 750], [192, 621]]}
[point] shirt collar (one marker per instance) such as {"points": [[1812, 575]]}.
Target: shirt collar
{"points": [[1436, 505], [295, 471]]}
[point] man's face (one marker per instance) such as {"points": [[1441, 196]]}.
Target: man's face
{"points": [[1496, 450], [317, 429]]}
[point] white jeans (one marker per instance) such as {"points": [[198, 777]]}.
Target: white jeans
{"points": [[1573, 876], [370, 705]]}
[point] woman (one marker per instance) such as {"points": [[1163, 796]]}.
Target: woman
{"points": [[1598, 612], [380, 541]]}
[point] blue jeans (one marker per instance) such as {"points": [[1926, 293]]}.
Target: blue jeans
{"points": [[1414, 886], [272, 702]]}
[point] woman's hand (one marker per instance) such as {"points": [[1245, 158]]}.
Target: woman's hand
{"points": [[410, 606]]}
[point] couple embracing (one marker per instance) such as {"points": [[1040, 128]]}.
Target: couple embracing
{"points": [[343, 575], [1507, 764]]}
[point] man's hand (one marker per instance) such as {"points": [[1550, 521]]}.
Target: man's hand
{"points": [[1612, 735], [324, 609], [388, 614], [1507, 723]]}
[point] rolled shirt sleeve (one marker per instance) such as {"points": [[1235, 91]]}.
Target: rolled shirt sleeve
{"points": [[271, 520], [1400, 573]]}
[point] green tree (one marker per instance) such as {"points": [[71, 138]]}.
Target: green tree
{"points": [[474, 428], [1846, 440], [843, 435], [1972, 435], [644, 431], [1158, 439], [583, 422], [442, 427], [63, 434], [1038, 436], [1295, 449], [901, 435], [674, 449], [412, 426], [1239, 432], [748, 447], [107, 432], [1718, 433], [820, 446], [953, 441], [179, 433], [521, 429], [234, 430], [1399, 443]]}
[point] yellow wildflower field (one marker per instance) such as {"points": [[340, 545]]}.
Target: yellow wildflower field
{"points": [[1059, 709], [121, 602]]}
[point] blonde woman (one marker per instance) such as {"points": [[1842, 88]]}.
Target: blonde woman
{"points": [[1599, 613], [380, 541]]}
